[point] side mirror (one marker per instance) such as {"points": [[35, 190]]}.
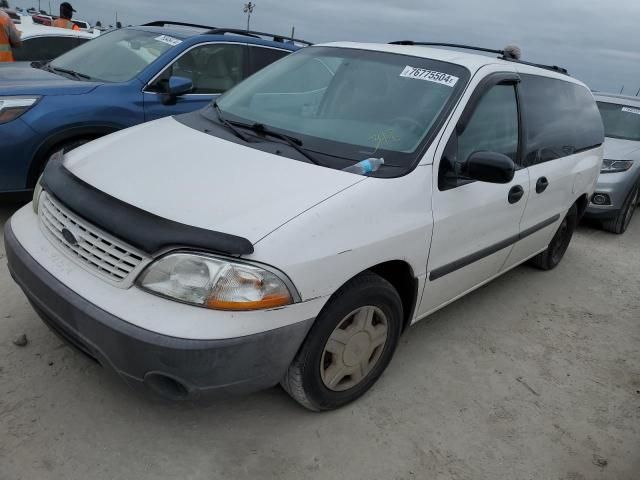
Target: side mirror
{"points": [[490, 167], [179, 86], [176, 87]]}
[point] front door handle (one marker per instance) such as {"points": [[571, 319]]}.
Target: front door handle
{"points": [[515, 194], [542, 184]]}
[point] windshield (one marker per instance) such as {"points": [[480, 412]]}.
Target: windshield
{"points": [[350, 104], [620, 121], [117, 56]]}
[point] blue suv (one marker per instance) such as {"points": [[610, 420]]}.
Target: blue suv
{"points": [[118, 80]]}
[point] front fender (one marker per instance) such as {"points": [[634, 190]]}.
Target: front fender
{"points": [[373, 222]]}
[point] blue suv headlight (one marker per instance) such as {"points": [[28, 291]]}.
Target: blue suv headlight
{"points": [[12, 107]]}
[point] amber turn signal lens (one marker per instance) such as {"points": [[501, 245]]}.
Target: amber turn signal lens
{"points": [[270, 301]]}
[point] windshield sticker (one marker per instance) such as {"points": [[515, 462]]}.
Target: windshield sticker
{"points": [[429, 76], [631, 110], [168, 40]]}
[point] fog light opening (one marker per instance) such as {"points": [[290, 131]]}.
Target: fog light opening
{"points": [[601, 199], [166, 387]]}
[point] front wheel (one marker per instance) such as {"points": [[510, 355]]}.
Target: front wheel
{"points": [[349, 346], [553, 255]]}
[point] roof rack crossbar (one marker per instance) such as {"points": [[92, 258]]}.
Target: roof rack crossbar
{"points": [[164, 23], [452, 45], [253, 33], [501, 53]]}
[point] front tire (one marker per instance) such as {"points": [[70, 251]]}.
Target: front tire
{"points": [[620, 223], [349, 346], [553, 255]]}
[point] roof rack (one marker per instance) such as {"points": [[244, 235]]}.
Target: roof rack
{"points": [[553, 68], [500, 53], [254, 34], [453, 45], [164, 23]]}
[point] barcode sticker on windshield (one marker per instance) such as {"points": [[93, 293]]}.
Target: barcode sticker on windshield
{"points": [[169, 40], [631, 110], [429, 76]]}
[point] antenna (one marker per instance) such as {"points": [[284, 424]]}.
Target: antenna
{"points": [[248, 9]]}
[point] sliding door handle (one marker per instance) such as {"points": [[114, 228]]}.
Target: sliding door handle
{"points": [[542, 184], [515, 194]]}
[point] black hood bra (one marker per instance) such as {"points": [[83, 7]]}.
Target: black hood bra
{"points": [[141, 229]]}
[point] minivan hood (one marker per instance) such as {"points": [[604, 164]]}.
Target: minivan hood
{"points": [[21, 78], [618, 149], [193, 178]]}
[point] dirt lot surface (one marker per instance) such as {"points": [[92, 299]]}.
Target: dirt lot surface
{"points": [[535, 376]]}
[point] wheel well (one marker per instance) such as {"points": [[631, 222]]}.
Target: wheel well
{"points": [[400, 275], [582, 203], [54, 143]]}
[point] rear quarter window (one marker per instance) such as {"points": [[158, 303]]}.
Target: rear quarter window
{"points": [[561, 119]]}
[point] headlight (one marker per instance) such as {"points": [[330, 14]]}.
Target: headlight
{"points": [[12, 107], [614, 166], [216, 283]]}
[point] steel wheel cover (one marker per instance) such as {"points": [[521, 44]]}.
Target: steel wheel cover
{"points": [[354, 348]]}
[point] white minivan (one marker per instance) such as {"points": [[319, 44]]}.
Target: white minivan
{"points": [[233, 248]]}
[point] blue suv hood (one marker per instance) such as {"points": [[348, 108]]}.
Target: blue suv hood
{"points": [[23, 79]]}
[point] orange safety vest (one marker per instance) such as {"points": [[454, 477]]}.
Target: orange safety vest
{"points": [[6, 55], [64, 23]]}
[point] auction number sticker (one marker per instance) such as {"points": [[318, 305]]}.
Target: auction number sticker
{"points": [[169, 40], [631, 110], [429, 76]]}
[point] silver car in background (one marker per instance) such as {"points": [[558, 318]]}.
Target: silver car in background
{"points": [[618, 191]]}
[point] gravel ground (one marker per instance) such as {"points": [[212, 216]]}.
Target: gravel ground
{"points": [[535, 376]]}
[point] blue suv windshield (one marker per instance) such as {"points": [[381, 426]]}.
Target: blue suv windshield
{"points": [[117, 56]]}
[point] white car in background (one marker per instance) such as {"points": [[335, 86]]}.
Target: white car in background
{"points": [[42, 44]]}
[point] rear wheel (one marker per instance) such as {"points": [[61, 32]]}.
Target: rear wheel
{"points": [[349, 346], [620, 223], [552, 256]]}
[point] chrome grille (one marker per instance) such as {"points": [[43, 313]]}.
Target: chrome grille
{"points": [[95, 250]]}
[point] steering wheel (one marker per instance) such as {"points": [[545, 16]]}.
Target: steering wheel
{"points": [[412, 124]]}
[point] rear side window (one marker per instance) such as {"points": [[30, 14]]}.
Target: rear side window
{"points": [[45, 48], [561, 119], [260, 57]]}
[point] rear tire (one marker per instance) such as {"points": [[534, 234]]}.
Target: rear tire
{"points": [[349, 346], [553, 255], [620, 223]]}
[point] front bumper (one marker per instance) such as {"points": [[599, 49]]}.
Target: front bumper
{"points": [[173, 367], [617, 186]]}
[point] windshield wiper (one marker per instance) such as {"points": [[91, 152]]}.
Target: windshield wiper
{"points": [[293, 142], [73, 73], [228, 124]]}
